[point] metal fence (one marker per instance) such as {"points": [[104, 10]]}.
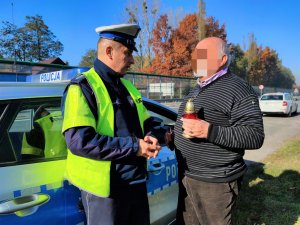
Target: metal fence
{"points": [[153, 86], [179, 88], [161, 87]]}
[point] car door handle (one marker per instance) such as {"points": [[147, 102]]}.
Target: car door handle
{"points": [[155, 168], [25, 205]]}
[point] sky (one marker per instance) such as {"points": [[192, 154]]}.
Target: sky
{"points": [[274, 23]]}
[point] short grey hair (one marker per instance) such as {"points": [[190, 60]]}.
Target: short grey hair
{"points": [[225, 50], [103, 43]]}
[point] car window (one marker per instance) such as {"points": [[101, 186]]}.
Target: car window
{"points": [[2, 109], [23, 121], [165, 120], [287, 97], [272, 97], [167, 116], [36, 132]]}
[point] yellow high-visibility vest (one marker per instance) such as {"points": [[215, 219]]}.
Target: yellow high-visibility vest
{"points": [[55, 145], [91, 175]]}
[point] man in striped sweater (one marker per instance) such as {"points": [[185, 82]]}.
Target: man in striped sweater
{"points": [[210, 160]]}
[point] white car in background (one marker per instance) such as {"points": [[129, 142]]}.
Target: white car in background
{"points": [[278, 103]]}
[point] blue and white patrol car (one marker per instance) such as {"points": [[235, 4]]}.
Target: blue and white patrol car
{"points": [[33, 190]]}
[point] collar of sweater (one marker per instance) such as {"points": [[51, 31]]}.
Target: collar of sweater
{"points": [[212, 78]]}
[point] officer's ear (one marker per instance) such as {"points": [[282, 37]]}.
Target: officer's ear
{"points": [[109, 52]]}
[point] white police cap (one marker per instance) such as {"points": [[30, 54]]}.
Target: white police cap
{"points": [[123, 33]]}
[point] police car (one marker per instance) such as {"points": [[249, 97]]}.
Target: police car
{"points": [[33, 189]]}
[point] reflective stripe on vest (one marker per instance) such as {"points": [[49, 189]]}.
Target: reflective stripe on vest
{"points": [[91, 175]]}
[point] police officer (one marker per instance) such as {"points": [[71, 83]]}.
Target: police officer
{"points": [[104, 125]]}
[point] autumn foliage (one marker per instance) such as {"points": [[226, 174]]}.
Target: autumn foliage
{"points": [[172, 50], [173, 47], [260, 65], [266, 69]]}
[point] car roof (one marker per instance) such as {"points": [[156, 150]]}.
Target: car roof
{"points": [[149, 101], [276, 93], [22, 90]]}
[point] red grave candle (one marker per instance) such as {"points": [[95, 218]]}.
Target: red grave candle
{"points": [[189, 113]]}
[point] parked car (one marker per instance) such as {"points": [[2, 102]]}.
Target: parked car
{"points": [[278, 103], [33, 189]]}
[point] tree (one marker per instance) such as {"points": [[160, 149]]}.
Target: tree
{"points": [[33, 42], [8, 40], [213, 29], [88, 59], [184, 39], [253, 50], [271, 65], [173, 47], [43, 43], [148, 28], [239, 62], [286, 79], [264, 67], [255, 68], [161, 46], [260, 66], [201, 16], [144, 13], [256, 72], [175, 16]]}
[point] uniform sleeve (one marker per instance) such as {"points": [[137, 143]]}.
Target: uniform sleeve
{"points": [[79, 128], [85, 142], [246, 130]]}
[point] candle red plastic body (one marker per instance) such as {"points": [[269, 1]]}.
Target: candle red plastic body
{"points": [[190, 116]]}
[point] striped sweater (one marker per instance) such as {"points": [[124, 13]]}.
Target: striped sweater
{"points": [[231, 106]]}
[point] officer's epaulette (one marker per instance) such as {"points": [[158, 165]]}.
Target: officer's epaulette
{"points": [[78, 79]]}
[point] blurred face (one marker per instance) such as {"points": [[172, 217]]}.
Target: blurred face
{"points": [[122, 58], [206, 59]]}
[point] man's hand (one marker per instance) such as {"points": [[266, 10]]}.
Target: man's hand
{"points": [[195, 128], [149, 147]]}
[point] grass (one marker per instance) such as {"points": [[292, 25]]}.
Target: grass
{"points": [[270, 193]]}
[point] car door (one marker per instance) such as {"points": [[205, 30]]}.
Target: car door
{"points": [[33, 190], [162, 184]]}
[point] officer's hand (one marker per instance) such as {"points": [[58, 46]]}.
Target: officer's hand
{"points": [[154, 142], [149, 147]]}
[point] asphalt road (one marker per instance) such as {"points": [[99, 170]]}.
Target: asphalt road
{"points": [[278, 129]]}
